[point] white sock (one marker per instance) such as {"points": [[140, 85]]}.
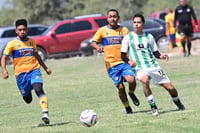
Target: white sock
{"points": [[175, 98], [150, 99]]}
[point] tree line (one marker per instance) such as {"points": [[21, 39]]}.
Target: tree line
{"points": [[49, 11]]}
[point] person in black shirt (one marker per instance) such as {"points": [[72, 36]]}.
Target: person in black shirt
{"points": [[184, 14]]}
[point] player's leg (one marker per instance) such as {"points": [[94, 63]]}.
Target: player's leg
{"points": [[123, 97], [189, 44], [115, 73], [174, 94], [183, 44], [25, 87], [171, 43], [28, 98], [43, 101], [188, 30], [36, 81], [148, 93], [181, 30], [129, 74], [132, 87]]}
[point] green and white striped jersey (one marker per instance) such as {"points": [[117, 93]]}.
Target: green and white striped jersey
{"points": [[140, 49]]}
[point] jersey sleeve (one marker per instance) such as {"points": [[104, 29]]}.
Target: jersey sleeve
{"points": [[98, 36], [153, 44], [8, 50], [125, 44]]}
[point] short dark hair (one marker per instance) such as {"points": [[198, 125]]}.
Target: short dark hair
{"points": [[21, 22], [113, 10], [139, 15]]}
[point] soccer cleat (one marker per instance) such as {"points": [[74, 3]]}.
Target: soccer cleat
{"points": [[154, 111], [129, 110], [134, 99], [45, 118], [179, 105]]}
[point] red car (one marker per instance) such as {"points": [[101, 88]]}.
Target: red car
{"points": [[63, 38], [161, 15]]}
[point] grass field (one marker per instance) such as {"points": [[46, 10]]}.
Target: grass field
{"points": [[77, 84]]}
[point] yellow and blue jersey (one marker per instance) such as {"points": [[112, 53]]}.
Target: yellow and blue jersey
{"points": [[169, 18], [23, 55], [111, 40]]}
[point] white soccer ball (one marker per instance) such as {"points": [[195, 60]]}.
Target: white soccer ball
{"points": [[88, 118]]}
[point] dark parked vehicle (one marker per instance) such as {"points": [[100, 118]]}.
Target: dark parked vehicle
{"points": [[8, 33], [86, 48], [154, 26]]}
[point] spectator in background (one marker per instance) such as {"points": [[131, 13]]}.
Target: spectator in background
{"points": [[184, 14], [170, 30]]}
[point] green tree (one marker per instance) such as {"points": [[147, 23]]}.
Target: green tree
{"points": [[49, 11], [39, 11], [126, 8]]}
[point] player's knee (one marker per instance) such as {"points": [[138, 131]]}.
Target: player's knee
{"points": [[27, 99], [168, 86], [121, 87], [144, 79], [129, 79]]}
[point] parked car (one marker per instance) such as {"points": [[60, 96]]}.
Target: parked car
{"points": [[86, 48], [154, 26], [159, 15], [63, 38], [8, 33], [162, 14]]}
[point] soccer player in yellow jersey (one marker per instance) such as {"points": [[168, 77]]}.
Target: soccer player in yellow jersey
{"points": [[26, 67], [170, 30], [111, 36]]}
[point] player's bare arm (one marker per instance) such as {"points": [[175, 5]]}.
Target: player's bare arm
{"points": [[48, 71], [3, 66], [97, 47]]}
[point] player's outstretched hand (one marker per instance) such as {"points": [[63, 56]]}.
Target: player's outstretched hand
{"points": [[48, 71], [164, 57]]}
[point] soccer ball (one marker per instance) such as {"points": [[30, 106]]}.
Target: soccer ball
{"points": [[88, 118]]}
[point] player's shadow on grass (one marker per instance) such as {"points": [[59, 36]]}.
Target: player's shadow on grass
{"points": [[159, 110], [167, 111], [54, 124]]}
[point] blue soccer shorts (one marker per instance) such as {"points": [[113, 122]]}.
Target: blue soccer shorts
{"points": [[117, 73], [172, 37], [26, 80]]}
